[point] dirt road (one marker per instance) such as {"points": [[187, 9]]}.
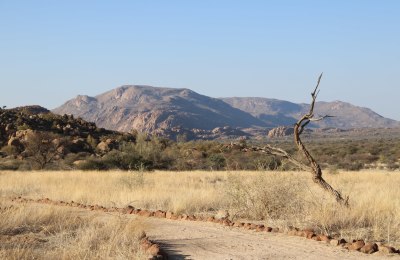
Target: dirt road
{"points": [[206, 240], [203, 240]]}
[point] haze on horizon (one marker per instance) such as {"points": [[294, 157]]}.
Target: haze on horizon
{"points": [[52, 51]]}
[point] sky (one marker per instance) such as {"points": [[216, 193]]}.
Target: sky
{"points": [[51, 51]]}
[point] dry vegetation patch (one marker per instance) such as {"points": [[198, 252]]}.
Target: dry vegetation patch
{"points": [[279, 199], [33, 231]]}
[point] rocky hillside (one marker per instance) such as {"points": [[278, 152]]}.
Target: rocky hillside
{"points": [[279, 112], [171, 112], [151, 109], [67, 133]]}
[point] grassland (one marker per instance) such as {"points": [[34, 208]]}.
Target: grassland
{"points": [[276, 198], [33, 231]]}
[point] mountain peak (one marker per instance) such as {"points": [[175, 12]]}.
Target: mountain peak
{"points": [[158, 109], [150, 109]]}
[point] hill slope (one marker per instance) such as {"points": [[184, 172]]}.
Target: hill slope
{"points": [[282, 112], [153, 109]]}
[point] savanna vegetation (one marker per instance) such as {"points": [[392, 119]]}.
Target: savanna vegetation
{"points": [[279, 199], [155, 153], [33, 231]]}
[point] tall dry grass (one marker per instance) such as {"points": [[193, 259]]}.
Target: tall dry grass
{"points": [[277, 198], [34, 231]]}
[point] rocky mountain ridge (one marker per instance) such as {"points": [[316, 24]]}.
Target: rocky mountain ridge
{"points": [[172, 112]]}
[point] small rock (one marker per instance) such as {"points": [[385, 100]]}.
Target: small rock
{"points": [[226, 222], [260, 228], [386, 249], [145, 213], [324, 238], [357, 245], [275, 230], [316, 238], [369, 248], [336, 242], [169, 214], [153, 250], [238, 224], [310, 235], [160, 214]]}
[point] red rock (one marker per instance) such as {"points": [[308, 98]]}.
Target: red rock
{"points": [[357, 245], [183, 217], [168, 214], [153, 250], [268, 229], [210, 219], [226, 222], [247, 225], [316, 238], [160, 214], [310, 235], [324, 238], [145, 213], [145, 244], [260, 228], [369, 248], [346, 245], [238, 224]]}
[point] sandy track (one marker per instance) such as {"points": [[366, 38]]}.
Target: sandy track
{"points": [[203, 240]]}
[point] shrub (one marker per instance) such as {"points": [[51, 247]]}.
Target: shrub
{"points": [[216, 161], [267, 196]]}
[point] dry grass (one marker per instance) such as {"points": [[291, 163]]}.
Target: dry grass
{"points": [[277, 198], [34, 231]]}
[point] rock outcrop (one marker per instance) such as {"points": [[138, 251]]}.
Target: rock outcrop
{"points": [[157, 110]]}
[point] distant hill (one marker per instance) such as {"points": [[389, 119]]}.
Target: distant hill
{"points": [[170, 111], [152, 109], [280, 112]]}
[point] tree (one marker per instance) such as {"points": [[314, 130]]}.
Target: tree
{"points": [[42, 148], [312, 166]]}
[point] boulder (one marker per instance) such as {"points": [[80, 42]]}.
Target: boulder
{"points": [[280, 131]]}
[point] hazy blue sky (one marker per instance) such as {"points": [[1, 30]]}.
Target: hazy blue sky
{"points": [[51, 51]]}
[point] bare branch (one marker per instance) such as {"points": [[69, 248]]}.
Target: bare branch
{"points": [[320, 118], [314, 166]]}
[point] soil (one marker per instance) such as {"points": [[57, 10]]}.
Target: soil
{"points": [[205, 240]]}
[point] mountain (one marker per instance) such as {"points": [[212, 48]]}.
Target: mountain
{"points": [[153, 109], [281, 112], [172, 112]]}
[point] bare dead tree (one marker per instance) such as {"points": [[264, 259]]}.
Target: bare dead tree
{"points": [[313, 166]]}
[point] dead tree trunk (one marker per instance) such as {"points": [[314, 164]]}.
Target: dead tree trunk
{"points": [[314, 166]]}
